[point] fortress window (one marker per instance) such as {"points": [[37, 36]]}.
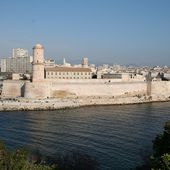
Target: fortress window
{"points": [[55, 73]]}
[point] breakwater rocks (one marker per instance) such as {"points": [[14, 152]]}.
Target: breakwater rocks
{"points": [[64, 103], [29, 104]]}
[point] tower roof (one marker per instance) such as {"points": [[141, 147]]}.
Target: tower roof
{"points": [[38, 46]]}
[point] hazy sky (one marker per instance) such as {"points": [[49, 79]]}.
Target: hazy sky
{"points": [[105, 31]]}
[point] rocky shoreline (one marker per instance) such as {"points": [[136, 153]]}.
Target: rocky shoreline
{"points": [[22, 104]]}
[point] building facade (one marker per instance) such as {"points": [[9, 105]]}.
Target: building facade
{"points": [[17, 65], [68, 73], [85, 62], [111, 76], [20, 62], [19, 52], [49, 63], [3, 65]]}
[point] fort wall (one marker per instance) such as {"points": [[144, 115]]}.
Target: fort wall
{"points": [[37, 90], [83, 88], [13, 88], [97, 89], [160, 89]]}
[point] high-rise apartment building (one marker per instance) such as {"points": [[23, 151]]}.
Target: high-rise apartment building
{"points": [[19, 52], [85, 62], [17, 65], [20, 62]]}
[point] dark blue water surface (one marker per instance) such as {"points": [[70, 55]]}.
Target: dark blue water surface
{"points": [[117, 136]]}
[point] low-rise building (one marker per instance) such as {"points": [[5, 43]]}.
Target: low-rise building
{"points": [[124, 76], [68, 73], [111, 76], [49, 63]]}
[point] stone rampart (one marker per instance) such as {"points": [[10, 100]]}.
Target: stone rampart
{"points": [[98, 89], [160, 89], [83, 88], [12, 89], [37, 90]]}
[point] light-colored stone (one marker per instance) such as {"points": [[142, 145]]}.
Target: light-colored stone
{"points": [[38, 63], [58, 93], [12, 89]]}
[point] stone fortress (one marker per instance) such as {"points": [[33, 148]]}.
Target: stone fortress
{"points": [[44, 85]]}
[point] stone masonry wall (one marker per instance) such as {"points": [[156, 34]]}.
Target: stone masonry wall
{"points": [[83, 88], [12, 89], [97, 89], [160, 89], [37, 90]]}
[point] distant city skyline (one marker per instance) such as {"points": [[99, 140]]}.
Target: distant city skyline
{"points": [[105, 31]]}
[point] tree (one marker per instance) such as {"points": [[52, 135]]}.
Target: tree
{"points": [[161, 144], [165, 161], [160, 159]]}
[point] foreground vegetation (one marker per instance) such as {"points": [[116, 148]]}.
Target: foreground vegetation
{"points": [[21, 159], [160, 159]]}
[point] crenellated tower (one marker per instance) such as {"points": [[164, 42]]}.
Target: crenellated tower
{"points": [[38, 63]]}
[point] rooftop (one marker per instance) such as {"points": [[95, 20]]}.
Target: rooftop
{"points": [[38, 46]]}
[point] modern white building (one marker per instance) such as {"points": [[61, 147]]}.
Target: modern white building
{"points": [[3, 65], [85, 62], [20, 62], [17, 65], [65, 64], [19, 52]]}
